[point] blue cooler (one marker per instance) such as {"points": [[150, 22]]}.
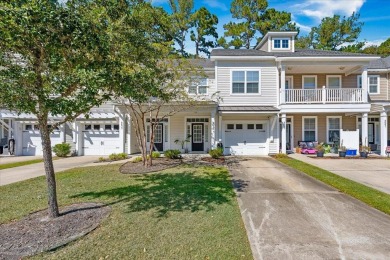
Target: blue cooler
{"points": [[351, 152]]}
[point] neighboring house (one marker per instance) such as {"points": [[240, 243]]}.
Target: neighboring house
{"points": [[271, 97]]}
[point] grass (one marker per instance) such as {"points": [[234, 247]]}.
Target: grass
{"points": [[368, 195], [17, 164], [180, 213]]}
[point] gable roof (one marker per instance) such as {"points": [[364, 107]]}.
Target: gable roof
{"points": [[383, 63]]}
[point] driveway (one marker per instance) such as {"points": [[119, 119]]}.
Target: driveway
{"points": [[21, 173], [13, 159], [370, 172], [289, 215]]}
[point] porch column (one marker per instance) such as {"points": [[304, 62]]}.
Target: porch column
{"points": [[282, 85], [212, 139], [220, 129], [284, 133], [128, 134], [79, 142], [18, 136], [122, 136], [365, 129], [364, 85], [62, 133], [383, 133]]}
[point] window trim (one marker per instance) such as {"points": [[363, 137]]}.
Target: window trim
{"points": [[245, 82], [281, 43], [316, 126], [327, 126], [368, 83], [309, 76], [197, 88], [334, 76]]}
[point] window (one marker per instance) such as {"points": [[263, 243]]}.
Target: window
{"points": [[372, 84], [87, 127], [96, 127], [309, 129], [281, 43], [238, 126], [245, 82], [116, 127], [333, 131], [259, 126], [230, 126], [251, 126], [28, 127], [36, 127], [309, 82], [199, 87], [107, 127], [333, 81], [197, 120]]}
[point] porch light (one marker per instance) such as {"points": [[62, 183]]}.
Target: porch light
{"points": [[341, 68]]}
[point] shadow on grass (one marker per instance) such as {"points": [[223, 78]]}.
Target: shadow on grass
{"points": [[166, 192]]}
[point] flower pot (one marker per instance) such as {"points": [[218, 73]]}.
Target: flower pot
{"points": [[363, 154], [342, 153], [298, 150], [320, 154]]}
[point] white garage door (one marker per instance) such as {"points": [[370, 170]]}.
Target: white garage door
{"points": [[32, 143], [246, 138], [101, 139]]}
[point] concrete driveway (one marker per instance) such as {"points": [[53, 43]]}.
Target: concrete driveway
{"points": [[13, 159], [289, 215], [21, 173], [371, 172]]}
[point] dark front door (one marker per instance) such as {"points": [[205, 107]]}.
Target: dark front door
{"points": [[158, 138], [371, 133], [197, 137]]}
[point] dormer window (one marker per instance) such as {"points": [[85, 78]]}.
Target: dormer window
{"points": [[281, 44]]}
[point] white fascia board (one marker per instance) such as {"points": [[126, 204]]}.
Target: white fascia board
{"points": [[242, 58], [326, 108], [333, 58], [248, 112], [378, 70]]}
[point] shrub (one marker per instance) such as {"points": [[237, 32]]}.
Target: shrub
{"points": [[216, 153], [155, 154], [281, 156], [137, 159], [117, 156], [172, 154], [61, 150], [102, 159]]}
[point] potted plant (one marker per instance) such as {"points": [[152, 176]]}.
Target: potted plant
{"points": [[297, 149], [334, 149], [183, 143], [364, 150], [320, 150], [342, 151]]}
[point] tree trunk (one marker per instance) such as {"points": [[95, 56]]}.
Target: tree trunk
{"points": [[49, 169]]}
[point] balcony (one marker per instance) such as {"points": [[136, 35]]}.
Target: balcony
{"points": [[324, 96]]}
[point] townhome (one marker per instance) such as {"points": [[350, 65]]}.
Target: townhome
{"points": [[269, 99]]}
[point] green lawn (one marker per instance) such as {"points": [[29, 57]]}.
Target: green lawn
{"points": [[181, 213], [368, 195], [17, 164]]}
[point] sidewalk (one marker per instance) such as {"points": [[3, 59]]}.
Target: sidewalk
{"points": [[13, 159], [21, 173], [374, 173]]}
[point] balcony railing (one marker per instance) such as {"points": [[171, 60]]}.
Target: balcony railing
{"points": [[323, 96]]}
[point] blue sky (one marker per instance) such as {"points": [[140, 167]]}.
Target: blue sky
{"points": [[307, 13]]}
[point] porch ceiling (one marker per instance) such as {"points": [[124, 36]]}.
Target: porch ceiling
{"points": [[320, 69]]}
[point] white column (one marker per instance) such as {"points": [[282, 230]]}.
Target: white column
{"points": [[18, 136], [383, 132], [284, 133], [62, 133], [365, 129], [213, 141], [130, 126], [282, 85], [220, 129], [364, 85], [80, 139], [122, 135]]}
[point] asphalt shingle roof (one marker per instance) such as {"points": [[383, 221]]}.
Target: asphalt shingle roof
{"points": [[383, 63]]}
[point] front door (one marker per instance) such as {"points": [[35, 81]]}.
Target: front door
{"points": [[371, 133], [158, 138], [197, 137], [288, 135]]}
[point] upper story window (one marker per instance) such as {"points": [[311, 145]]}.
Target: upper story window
{"points": [[281, 44], [372, 84], [333, 81], [309, 82], [245, 82], [199, 87]]}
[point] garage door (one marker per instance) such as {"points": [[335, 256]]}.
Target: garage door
{"points": [[246, 138], [101, 139], [32, 143]]}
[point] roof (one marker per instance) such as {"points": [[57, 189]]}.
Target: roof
{"points": [[248, 109], [205, 63], [297, 53], [383, 63]]}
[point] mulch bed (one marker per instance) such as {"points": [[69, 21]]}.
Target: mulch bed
{"points": [[219, 161], [159, 164], [37, 233], [348, 157]]}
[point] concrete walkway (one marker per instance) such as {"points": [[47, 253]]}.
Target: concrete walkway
{"points": [[21, 173], [13, 159], [289, 215], [374, 173]]}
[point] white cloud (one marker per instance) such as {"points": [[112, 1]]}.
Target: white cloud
{"points": [[303, 28], [216, 4], [374, 42], [319, 9]]}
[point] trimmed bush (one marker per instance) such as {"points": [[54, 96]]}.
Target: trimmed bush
{"points": [[137, 159], [216, 153], [155, 154], [61, 150], [172, 154], [117, 156]]}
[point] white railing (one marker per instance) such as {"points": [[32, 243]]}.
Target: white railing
{"points": [[324, 95]]}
